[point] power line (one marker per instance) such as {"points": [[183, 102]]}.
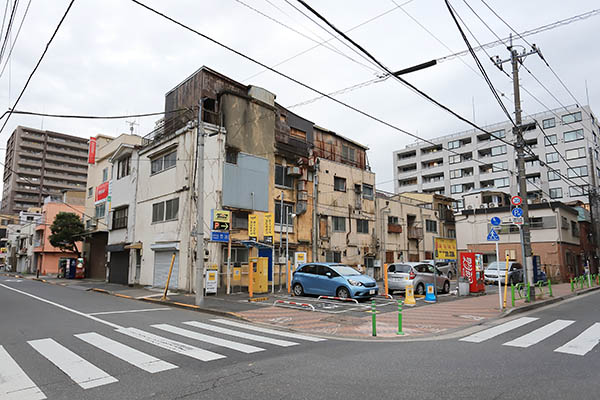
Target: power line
{"points": [[15, 40], [9, 28], [76, 116]]}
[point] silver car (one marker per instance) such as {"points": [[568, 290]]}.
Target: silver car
{"points": [[495, 269], [417, 274], [448, 269]]}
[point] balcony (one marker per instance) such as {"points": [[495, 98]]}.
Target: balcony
{"points": [[415, 233], [394, 228]]}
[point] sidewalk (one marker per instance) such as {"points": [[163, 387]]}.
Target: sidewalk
{"points": [[425, 320]]}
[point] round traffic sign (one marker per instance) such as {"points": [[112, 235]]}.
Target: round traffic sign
{"points": [[516, 200], [496, 221], [517, 212]]}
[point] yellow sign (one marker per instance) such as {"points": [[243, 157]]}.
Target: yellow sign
{"points": [[221, 216], [253, 226], [237, 273], [269, 224], [445, 249]]}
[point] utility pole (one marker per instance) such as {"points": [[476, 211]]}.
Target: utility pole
{"points": [[200, 210], [594, 208], [315, 222], [515, 59]]}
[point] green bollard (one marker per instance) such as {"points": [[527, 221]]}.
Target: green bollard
{"points": [[549, 287], [528, 295], [512, 293], [572, 286], [587, 280], [400, 318], [373, 313], [581, 279]]}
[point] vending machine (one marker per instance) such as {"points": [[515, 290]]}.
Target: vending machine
{"points": [[471, 267]]}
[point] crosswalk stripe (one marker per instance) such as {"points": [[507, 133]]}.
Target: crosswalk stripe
{"points": [[172, 345], [268, 331], [539, 334], [132, 356], [583, 343], [498, 330], [244, 335], [14, 382], [244, 348], [82, 372]]}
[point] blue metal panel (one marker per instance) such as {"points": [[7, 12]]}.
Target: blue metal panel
{"points": [[269, 254], [246, 184]]}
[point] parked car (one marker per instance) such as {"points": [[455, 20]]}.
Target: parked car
{"points": [[331, 279], [417, 274], [498, 269], [448, 269]]}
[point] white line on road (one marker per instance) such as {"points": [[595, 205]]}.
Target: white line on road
{"points": [[497, 330], [172, 345], [231, 332], [244, 348], [268, 331], [582, 343], [82, 372], [14, 382], [129, 311], [540, 334], [132, 356]]}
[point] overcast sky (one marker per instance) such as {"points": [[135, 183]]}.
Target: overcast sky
{"points": [[113, 57]]}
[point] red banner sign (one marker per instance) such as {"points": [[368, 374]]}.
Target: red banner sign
{"points": [[102, 191], [92, 151]]}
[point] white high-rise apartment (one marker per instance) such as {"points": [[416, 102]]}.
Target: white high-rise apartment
{"points": [[480, 161]]}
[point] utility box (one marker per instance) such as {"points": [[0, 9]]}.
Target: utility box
{"points": [[260, 276]]}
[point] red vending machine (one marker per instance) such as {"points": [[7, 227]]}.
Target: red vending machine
{"points": [[471, 267]]}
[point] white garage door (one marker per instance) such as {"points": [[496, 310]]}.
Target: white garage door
{"points": [[162, 262]]}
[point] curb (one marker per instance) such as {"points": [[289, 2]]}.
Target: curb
{"points": [[547, 302]]}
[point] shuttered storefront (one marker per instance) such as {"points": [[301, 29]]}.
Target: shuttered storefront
{"points": [[162, 263]]}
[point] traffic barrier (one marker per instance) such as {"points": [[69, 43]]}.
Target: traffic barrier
{"points": [[385, 296], [409, 296], [588, 281], [430, 296], [337, 298], [540, 286], [399, 318], [385, 278], [528, 294], [373, 317], [512, 293], [293, 303], [550, 287], [572, 285]]}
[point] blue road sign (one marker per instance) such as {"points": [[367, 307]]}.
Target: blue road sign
{"points": [[517, 212], [219, 236], [493, 236], [496, 221]]}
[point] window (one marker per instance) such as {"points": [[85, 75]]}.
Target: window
{"points": [[498, 150], [574, 228], [454, 159], [231, 156], [501, 182], [287, 213], [452, 233], [104, 174], [570, 118], [498, 135], [282, 178], [339, 224], [90, 192], [575, 153], [430, 226], [550, 140], [456, 188], [239, 220], [362, 226], [455, 173], [555, 193], [163, 162], [239, 255], [576, 172], [171, 209], [548, 123], [339, 184], [500, 166], [348, 153], [572, 136], [454, 144], [333, 256], [575, 191], [393, 220], [123, 167], [553, 175], [119, 219], [367, 191], [100, 210], [551, 157]]}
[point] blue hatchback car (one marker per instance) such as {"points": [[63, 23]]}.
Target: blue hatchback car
{"points": [[331, 279]]}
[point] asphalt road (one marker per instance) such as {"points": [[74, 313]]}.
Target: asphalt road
{"points": [[40, 356]]}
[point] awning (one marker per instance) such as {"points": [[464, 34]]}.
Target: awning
{"points": [[136, 245], [116, 247], [165, 246], [254, 243]]}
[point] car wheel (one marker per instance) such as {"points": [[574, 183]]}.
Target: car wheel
{"points": [[446, 287], [298, 289], [343, 293], [420, 289]]}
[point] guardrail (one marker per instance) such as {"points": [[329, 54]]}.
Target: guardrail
{"points": [[293, 303], [337, 298]]}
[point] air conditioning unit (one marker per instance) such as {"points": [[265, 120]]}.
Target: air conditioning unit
{"points": [[469, 207], [544, 200], [484, 205], [294, 171], [492, 205]]}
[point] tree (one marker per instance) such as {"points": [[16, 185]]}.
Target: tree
{"points": [[66, 229]]}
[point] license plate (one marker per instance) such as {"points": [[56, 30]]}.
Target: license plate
{"points": [[372, 291]]}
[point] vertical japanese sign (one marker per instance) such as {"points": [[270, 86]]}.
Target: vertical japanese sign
{"points": [[269, 229], [445, 249], [92, 151], [253, 226]]}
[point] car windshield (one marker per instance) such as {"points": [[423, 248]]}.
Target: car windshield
{"points": [[345, 270], [496, 264]]}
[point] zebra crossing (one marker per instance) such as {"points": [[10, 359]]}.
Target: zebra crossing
{"points": [[15, 383], [580, 345]]}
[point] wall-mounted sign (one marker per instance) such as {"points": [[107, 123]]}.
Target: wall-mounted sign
{"points": [[102, 191], [92, 151], [253, 226], [269, 230]]}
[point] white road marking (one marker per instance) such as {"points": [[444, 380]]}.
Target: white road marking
{"points": [[497, 330], [583, 343], [244, 348], [231, 332], [540, 334], [79, 370], [172, 345], [126, 353], [268, 331], [14, 382], [129, 311]]}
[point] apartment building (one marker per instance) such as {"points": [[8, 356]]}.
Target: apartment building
{"points": [[481, 161], [39, 163]]}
